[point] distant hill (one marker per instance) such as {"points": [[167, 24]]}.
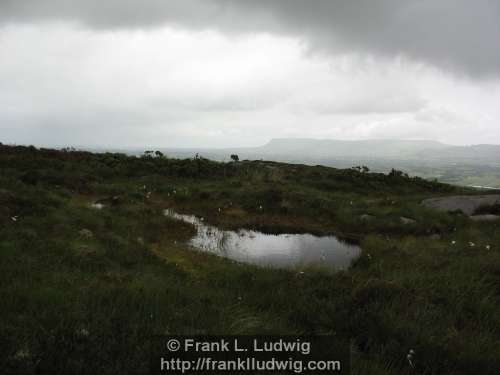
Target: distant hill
{"points": [[480, 154], [327, 148]]}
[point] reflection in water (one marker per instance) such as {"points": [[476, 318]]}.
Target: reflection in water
{"points": [[283, 250]]}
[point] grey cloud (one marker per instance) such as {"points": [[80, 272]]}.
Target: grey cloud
{"points": [[125, 14], [453, 34]]}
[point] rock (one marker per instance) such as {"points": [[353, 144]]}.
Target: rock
{"points": [[486, 217], [465, 203], [407, 220], [86, 233]]}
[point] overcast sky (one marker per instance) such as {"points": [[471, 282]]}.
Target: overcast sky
{"points": [[222, 73]]}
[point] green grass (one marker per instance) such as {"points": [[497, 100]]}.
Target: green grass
{"points": [[73, 303]]}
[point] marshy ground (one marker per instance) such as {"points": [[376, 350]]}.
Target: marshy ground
{"points": [[82, 287]]}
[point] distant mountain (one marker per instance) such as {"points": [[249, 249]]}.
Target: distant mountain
{"points": [[327, 148]]}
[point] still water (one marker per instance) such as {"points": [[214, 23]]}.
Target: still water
{"points": [[282, 251]]}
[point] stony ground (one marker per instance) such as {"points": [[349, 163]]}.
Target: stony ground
{"points": [[468, 204]]}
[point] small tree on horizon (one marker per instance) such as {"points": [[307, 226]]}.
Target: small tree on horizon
{"points": [[234, 157]]}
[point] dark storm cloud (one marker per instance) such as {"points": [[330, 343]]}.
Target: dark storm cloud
{"points": [[452, 34], [115, 13]]}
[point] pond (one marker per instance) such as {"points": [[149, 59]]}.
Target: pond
{"points": [[282, 250]]}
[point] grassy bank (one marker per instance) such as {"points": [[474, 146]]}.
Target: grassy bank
{"points": [[82, 288]]}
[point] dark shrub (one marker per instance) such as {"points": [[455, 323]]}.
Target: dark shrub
{"points": [[488, 209]]}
